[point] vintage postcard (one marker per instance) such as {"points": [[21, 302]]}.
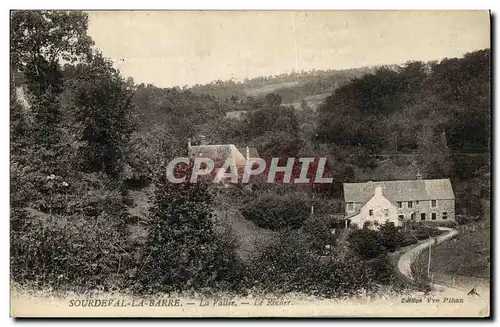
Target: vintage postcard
{"points": [[250, 163]]}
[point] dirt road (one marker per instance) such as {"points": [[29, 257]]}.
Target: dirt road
{"points": [[405, 261]]}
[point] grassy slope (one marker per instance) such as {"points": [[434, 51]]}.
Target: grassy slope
{"points": [[465, 256], [248, 235]]}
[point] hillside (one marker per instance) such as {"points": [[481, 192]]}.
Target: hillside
{"points": [[311, 86], [468, 255]]}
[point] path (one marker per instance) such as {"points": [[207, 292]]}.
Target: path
{"points": [[405, 261], [480, 304]]}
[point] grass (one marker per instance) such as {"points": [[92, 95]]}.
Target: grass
{"points": [[467, 255]]}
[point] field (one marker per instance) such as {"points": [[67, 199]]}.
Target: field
{"points": [[464, 260]]}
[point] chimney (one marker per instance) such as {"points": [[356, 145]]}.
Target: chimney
{"points": [[189, 143], [203, 140], [419, 176], [378, 190], [248, 153]]}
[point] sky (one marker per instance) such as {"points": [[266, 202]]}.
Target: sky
{"points": [[177, 48]]}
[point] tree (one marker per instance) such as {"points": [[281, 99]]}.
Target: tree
{"points": [[272, 211], [318, 230], [303, 105], [184, 250], [39, 40], [102, 113]]}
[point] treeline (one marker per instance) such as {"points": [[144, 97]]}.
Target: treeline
{"points": [[291, 87], [405, 108]]}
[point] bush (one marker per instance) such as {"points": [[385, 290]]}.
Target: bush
{"points": [[381, 270], [419, 231], [289, 264], [184, 250], [318, 230], [469, 203], [371, 244], [277, 212], [390, 236], [74, 254], [366, 243]]}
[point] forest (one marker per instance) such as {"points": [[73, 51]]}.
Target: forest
{"points": [[91, 208]]}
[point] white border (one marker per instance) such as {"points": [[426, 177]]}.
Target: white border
{"points": [[190, 4]]}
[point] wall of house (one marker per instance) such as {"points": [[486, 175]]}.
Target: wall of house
{"points": [[355, 208], [383, 210], [447, 206]]}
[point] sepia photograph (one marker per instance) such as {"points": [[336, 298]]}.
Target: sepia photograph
{"points": [[250, 164]]}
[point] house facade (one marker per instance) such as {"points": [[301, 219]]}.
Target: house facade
{"points": [[416, 200]]}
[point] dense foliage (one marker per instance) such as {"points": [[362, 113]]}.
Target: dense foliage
{"points": [[277, 212], [88, 145], [371, 243], [184, 250]]}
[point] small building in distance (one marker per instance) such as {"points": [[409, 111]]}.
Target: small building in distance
{"points": [[219, 153], [396, 201]]}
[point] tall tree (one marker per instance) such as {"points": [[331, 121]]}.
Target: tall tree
{"points": [[102, 114], [184, 249], [39, 40]]}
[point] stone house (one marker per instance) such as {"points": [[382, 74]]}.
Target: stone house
{"points": [[416, 200]]}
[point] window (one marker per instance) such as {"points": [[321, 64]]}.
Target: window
{"points": [[433, 203], [412, 216], [386, 212], [349, 206], [422, 216], [400, 204], [401, 217], [410, 204], [433, 216], [445, 215], [370, 212]]}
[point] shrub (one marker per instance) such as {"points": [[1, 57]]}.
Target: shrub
{"points": [[277, 212], [289, 264], [184, 250], [419, 231], [390, 236], [370, 243], [74, 254], [366, 243], [381, 270], [318, 229]]}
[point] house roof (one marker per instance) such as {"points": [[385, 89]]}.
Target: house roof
{"points": [[219, 153], [406, 190]]}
